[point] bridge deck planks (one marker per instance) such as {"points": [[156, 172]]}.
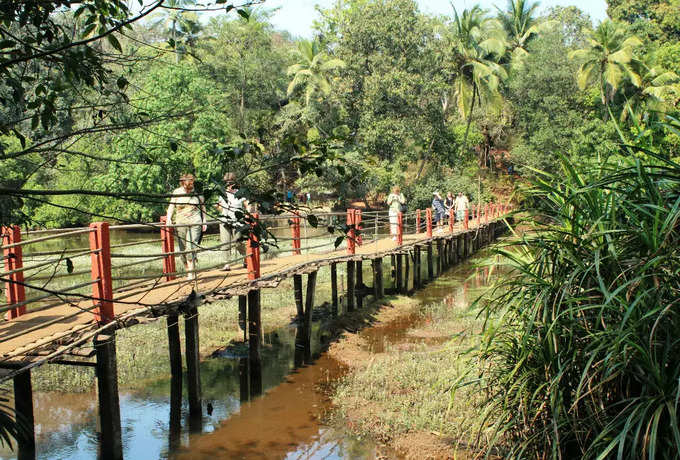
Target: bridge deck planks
{"points": [[21, 349]]}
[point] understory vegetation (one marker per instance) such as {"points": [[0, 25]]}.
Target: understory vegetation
{"points": [[581, 354]]}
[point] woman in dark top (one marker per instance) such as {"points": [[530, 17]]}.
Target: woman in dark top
{"points": [[439, 210]]}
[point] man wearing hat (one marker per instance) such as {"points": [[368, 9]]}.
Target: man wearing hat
{"points": [[187, 211], [230, 232]]}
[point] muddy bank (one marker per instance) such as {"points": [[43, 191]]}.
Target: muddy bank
{"points": [[397, 390]]}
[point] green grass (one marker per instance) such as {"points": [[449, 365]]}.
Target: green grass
{"points": [[410, 388]]}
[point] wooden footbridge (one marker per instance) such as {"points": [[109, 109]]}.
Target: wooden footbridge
{"points": [[58, 312]]}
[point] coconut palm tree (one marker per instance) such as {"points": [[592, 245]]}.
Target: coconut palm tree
{"points": [[521, 26], [310, 73], [478, 43], [609, 60], [658, 91]]}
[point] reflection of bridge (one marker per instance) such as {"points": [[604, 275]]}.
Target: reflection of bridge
{"points": [[59, 313]]}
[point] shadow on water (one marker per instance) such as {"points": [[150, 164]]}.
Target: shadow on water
{"points": [[267, 406]]}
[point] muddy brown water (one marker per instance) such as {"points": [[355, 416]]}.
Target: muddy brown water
{"points": [[274, 409]]}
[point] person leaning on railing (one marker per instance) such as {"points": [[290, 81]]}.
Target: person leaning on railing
{"points": [[230, 228], [395, 202], [188, 210]]}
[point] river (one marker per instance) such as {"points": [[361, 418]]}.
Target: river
{"points": [[273, 409]]}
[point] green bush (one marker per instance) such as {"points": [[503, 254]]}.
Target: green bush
{"points": [[582, 355]]}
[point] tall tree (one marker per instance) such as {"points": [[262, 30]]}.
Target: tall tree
{"points": [[312, 70], [657, 20], [608, 60], [477, 44], [520, 24]]}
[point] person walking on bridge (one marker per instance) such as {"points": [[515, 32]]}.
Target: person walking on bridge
{"points": [[439, 211], [461, 205], [230, 227], [395, 201], [187, 211]]}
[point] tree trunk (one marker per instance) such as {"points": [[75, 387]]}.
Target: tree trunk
{"points": [[467, 128], [425, 157]]}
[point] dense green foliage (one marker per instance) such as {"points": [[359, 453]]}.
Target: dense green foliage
{"points": [[384, 95]]}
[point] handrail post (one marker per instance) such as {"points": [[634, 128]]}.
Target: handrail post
{"points": [[253, 253], [486, 213], [357, 226], [351, 234], [417, 220], [14, 288], [465, 221], [102, 288], [168, 244], [479, 209], [295, 229], [452, 219], [428, 216], [400, 229]]}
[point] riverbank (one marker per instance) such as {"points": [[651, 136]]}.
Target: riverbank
{"points": [[399, 392]]}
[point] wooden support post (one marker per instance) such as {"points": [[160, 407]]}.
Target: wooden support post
{"points": [[440, 258], [309, 304], [399, 281], [350, 285], [14, 289], [102, 288], [193, 368], [297, 292], [359, 290], [378, 286], [407, 269], [334, 287], [168, 247], [109, 406], [23, 405], [417, 269], [430, 262], [243, 315], [254, 321], [174, 346], [175, 421]]}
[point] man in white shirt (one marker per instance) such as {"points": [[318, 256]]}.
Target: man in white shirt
{"points": [[461, 205], [230, 232], [187, 211]]}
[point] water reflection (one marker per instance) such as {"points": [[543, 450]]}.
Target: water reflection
{"points": [[268, 405]]}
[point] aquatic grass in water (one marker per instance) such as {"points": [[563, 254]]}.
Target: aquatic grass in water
{"points": [[581, 357]]}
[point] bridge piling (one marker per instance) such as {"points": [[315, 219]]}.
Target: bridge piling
{"points": [[417, 269], [407, 269], [378, 286], [193, 369], [111, 447], [23, 405], [430, 262], [350, 285], [243, 315], [174, 347], [309, 305], [175, 421], [334, 288], [399, 280], [297, 292], [440, 258], [359, 289]]}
